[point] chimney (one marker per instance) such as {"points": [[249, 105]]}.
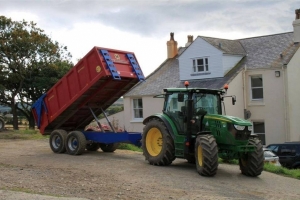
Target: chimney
{"points": [[172, 46], [296, 25], [190, 40]]}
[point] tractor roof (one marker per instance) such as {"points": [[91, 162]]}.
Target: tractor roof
{"points": [[195, 90]]}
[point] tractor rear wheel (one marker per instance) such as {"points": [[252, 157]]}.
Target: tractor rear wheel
{"points": [[252, 163], [157, 143], [57, 141], [206, 153], [75, 143], [108, 147]]}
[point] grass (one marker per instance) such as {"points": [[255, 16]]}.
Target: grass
{"points": [[130, 147], [293, 173], [21, 134]]}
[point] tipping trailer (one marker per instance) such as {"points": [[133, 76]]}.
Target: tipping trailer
{"points": [[100, 78]]}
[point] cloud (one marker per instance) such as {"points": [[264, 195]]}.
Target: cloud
{"points": [[143, 26]]}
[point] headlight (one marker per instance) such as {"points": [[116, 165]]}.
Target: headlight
{"points": [[239, 128], [250, 128]]}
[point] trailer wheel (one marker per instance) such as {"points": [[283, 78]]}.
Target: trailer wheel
{"points": [[252, 163], [108, 147], [157, 143], [92, 146], [57, 141], [206, 153], [75, 143]]}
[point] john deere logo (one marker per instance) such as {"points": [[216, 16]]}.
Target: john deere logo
{"points": [[117, 57], [98, 69]]}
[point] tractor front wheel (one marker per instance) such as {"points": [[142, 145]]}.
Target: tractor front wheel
{"points": [[206, 153], [252, 163], [157, 143]]}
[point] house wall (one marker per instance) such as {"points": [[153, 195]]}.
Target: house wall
{"points": [[150, 106], [200, 48], [235, 88], [117, 120], [293, 74], [229, 61], [271, 108]]}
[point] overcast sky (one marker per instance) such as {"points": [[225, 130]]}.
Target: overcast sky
{"points": [[144, 26]]}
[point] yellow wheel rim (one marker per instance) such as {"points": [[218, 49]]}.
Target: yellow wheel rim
{"points": [[154, 141], [200, 156]]}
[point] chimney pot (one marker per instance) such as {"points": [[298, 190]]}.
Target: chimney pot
{"points": [[172, 46], [296, 25], [190, 40]]}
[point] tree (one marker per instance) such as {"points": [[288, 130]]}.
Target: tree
{"points": [[30, 64]]}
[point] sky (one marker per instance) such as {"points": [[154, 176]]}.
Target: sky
{"points": [[144, 26]]}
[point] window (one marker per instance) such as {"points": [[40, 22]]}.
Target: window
{"points": [[257, 87], [137, 108], [259, 129], [200, 65]]}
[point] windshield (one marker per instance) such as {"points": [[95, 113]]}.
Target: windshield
{"points": [[207, 102]]}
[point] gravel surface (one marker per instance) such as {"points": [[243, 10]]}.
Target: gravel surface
{"points": [[30, 170]]}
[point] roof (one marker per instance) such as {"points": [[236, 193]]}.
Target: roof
{"points": [[271, 51], [226, 46], [264, 51], [166, 75]]}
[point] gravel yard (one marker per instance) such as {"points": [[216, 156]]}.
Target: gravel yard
{"points": [[30, 170]]}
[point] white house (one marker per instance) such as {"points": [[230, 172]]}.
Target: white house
{"points": [[263, 72]]}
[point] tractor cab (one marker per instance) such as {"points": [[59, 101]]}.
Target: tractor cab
{"points": [[187, 107]]}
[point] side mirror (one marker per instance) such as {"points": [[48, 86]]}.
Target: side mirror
{"points": [[180, 97], [233, 100]]}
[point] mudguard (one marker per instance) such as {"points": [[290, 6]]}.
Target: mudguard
{"points": [[166, 120]]}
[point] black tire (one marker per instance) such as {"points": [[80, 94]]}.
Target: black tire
{"points": [[57, 141], [2, 124], [191, 159], [75, 143], [206, 154], [252, 164], [157, 143], [108, 147], [92, 146]]}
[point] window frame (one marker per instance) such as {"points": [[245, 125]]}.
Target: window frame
{"points": [[259, 87], [262, 136], [195, 66], [134, 109]]}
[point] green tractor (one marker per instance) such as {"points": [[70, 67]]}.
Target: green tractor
{"points": [[192, 127]]}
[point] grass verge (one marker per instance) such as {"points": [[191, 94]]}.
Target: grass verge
{"points": [[293, 173], [22, 134], [130, 147]]}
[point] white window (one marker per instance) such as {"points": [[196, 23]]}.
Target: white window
{"points": [[259, 129], [200, 65], [257, 92], [137, 108]]}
